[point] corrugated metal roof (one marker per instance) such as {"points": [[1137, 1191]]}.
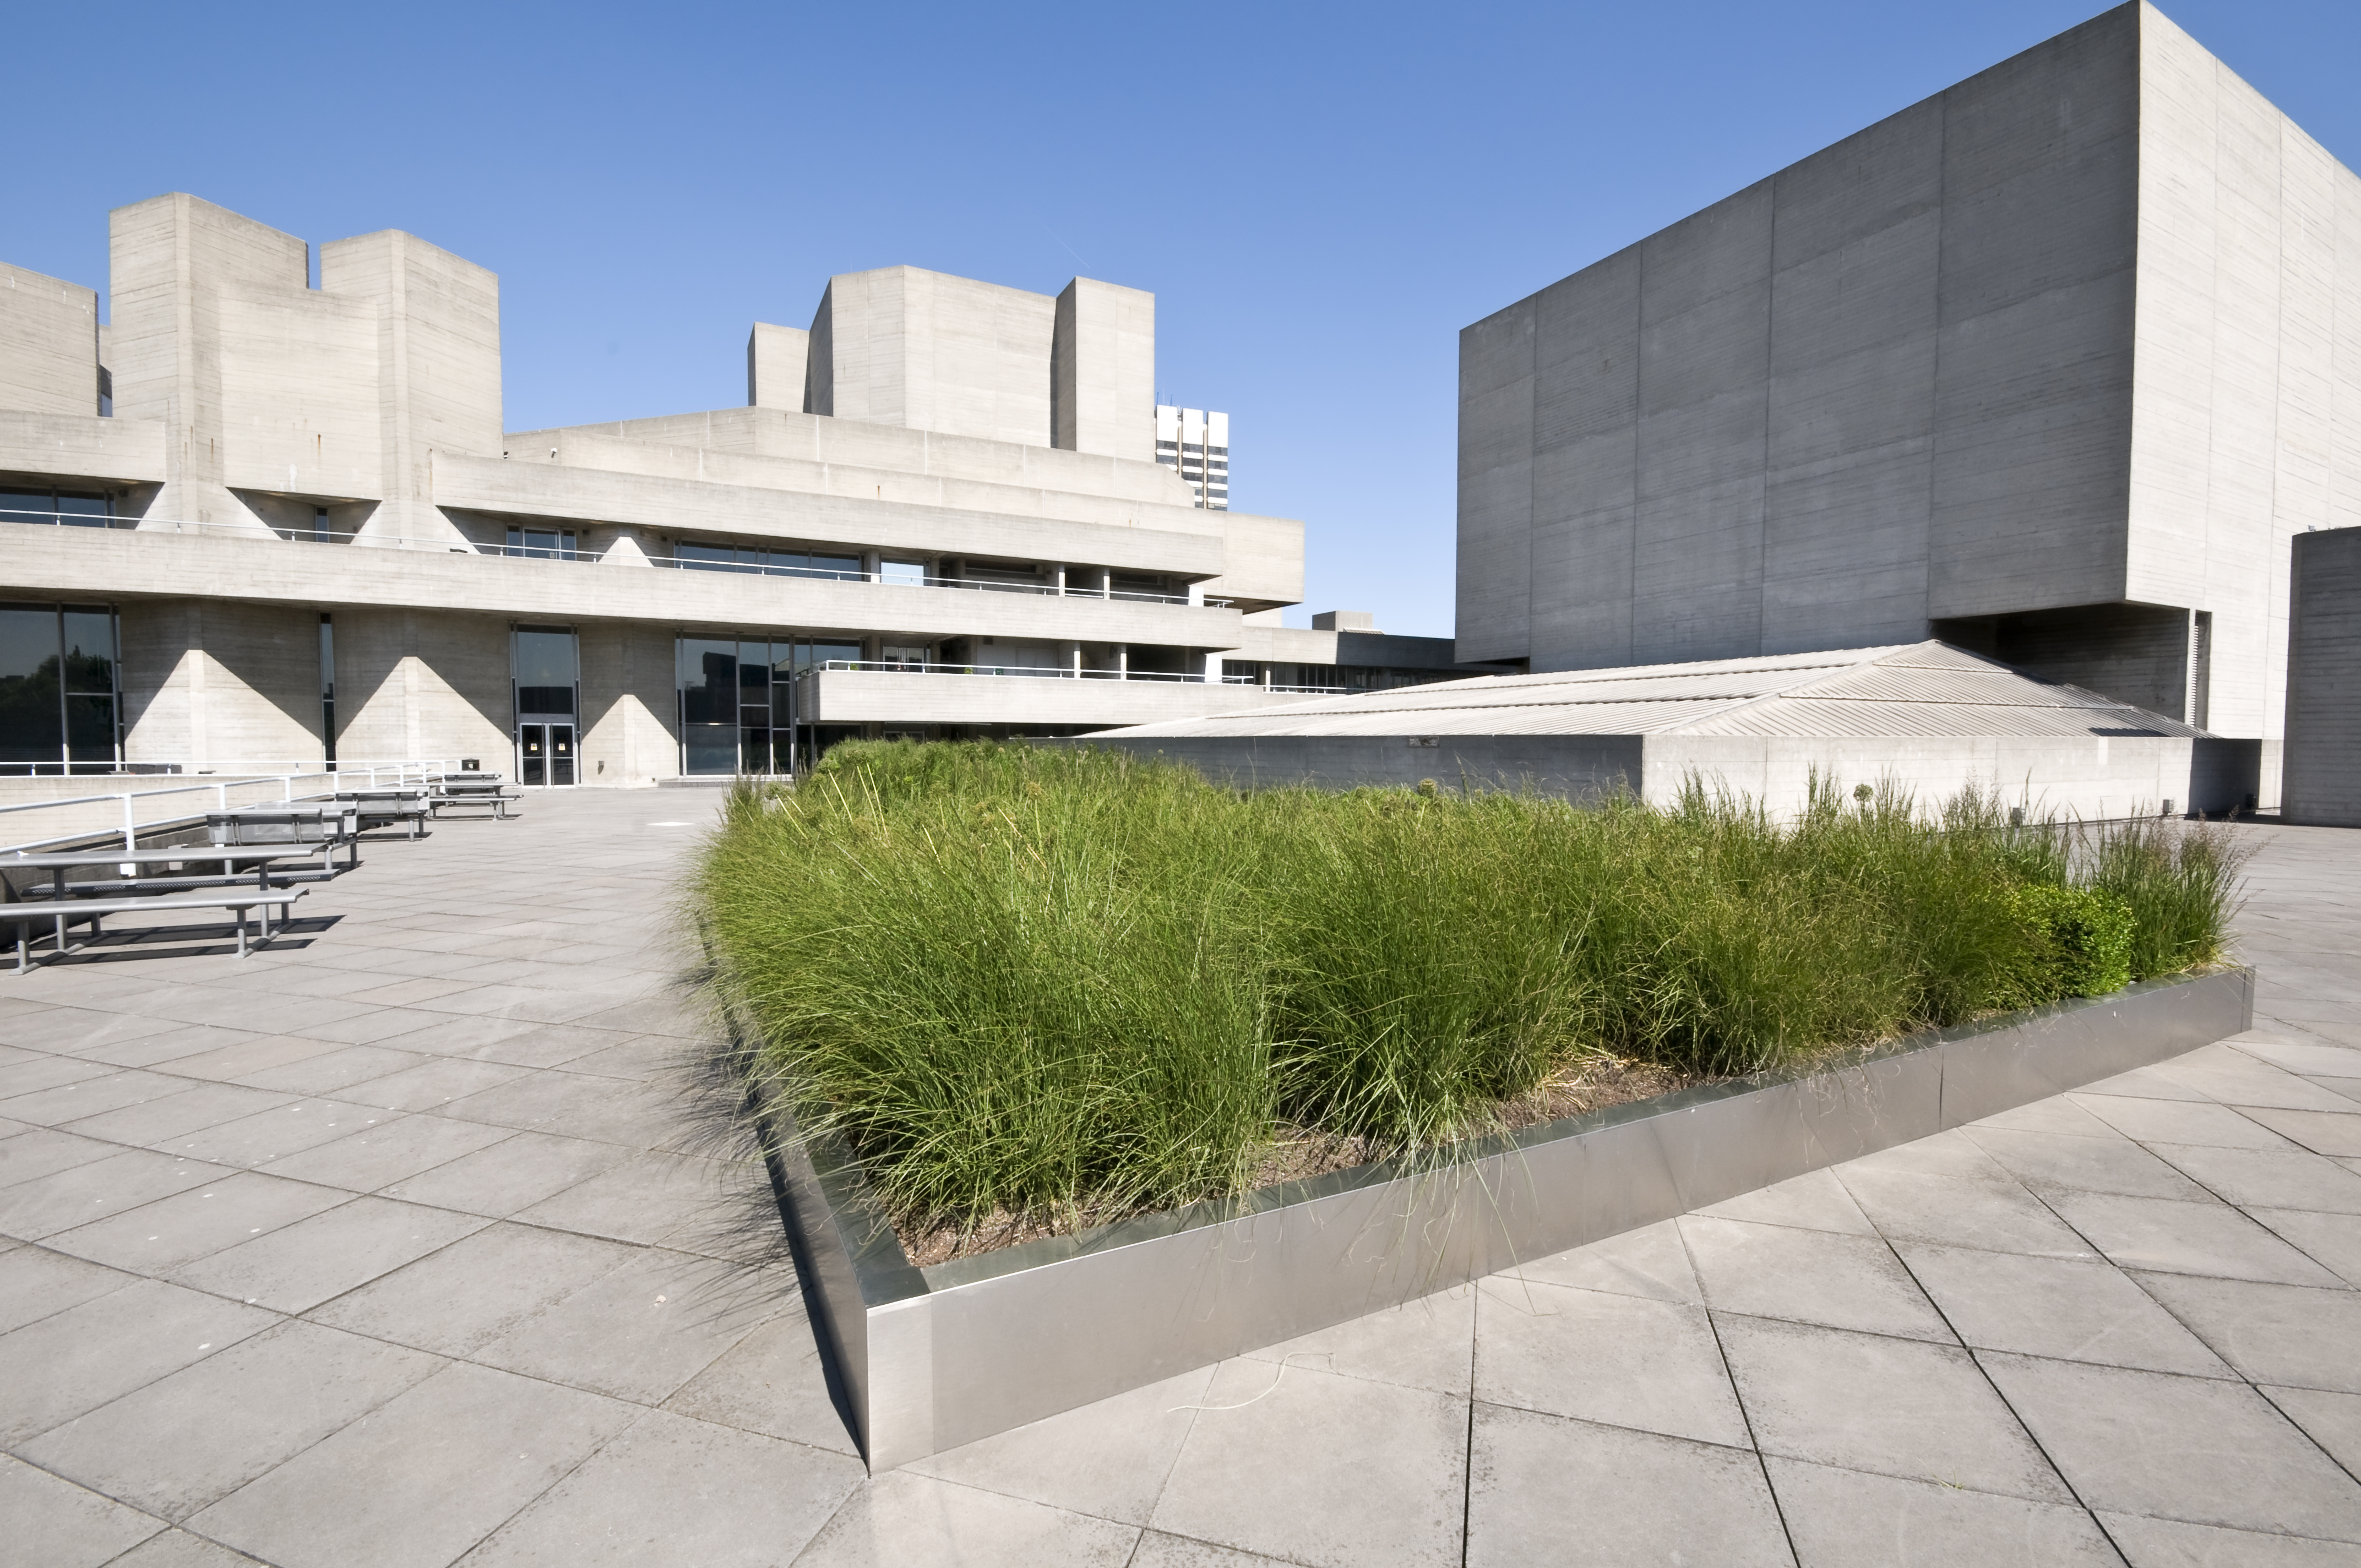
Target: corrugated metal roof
{"points": [[1919, 689]]}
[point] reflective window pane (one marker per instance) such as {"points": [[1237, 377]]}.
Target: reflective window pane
{"points": [[30, 722], [708, 681], [709, 747], [84, 511], [89, 651], [27, 506], [90, 728]]}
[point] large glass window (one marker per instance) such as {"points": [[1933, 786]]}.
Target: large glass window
{"points": [[738, 700], [46, 504], [542, 544], [58, 707], [710, 557], [545, 673]]}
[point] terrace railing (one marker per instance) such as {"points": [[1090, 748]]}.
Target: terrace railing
{"points": [[576, 554], [168, 807], [1061, 672]]}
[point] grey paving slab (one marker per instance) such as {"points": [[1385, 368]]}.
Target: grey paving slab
{"points": [[772, 1382], [467, 1295], [76, 1196], [1847, 1519], [2310, 1057], [1651, 1261], [2230, 1076], [1891, 1407], [41, 1151], [674, 1490], [2071, 1310], [178, 1549], [2186, 1238], [2270, 1178], [1814, 1201], [28, 1073], [298, 1266], [75, 1030], [2323, 1131], [2331, 1420], [257, 1140], [376, 1156], [1320, 1469], [904, 1518], [2051, 1162], [640, 1331], [35, 1282], [644, 1199], [420, 1480], [52, 1523], [1108, 1460], [1156, 1550], [59, 1367], [256, 1055], [2331, 1240], [168, 1118], [607, 1110], [2165, 1544], [514, 1173], [337, 1071], [194, 1436], [433, 1081], [1421, 1343], [88, 1097], [197, 1222], [1544, 1489], [2271, 1334], [1622, 1361], [2195, 1121], [2193, 1449], [1992, 1215], [1811, 1277]]}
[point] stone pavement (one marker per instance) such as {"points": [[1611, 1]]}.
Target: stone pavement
{"points": [[388, 1246]]}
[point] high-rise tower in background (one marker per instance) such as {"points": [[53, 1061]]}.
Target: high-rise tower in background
{"points": [[1198, 445]]}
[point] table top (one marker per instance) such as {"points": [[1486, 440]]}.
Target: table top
{"points": [[65, 860]]}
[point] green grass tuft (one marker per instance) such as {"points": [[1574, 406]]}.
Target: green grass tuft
{"points": [[1053, 981]]}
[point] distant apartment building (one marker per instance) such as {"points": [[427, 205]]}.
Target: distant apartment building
{"points": [[1196, 445], [256, 521], [2050, 365]]}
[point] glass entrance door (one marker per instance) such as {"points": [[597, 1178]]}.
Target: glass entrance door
{"points": [[545, 755]]}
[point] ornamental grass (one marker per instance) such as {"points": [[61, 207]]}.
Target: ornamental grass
{"points": [[1058, 981]]}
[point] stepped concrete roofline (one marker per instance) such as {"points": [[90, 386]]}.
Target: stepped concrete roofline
{"points": [[1926, 688]]}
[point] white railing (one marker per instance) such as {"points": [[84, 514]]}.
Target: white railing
{"points": [[900, 580], [126, 806], [1061, 672], [364, 539]]}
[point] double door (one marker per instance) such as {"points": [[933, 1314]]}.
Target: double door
{"points": [[545, 755]]}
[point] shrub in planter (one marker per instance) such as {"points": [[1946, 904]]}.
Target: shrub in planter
{"points": [[2079, 940]]}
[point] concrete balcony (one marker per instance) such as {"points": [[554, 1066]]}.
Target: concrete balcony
{"points": [[152, 561], [840, 692]]}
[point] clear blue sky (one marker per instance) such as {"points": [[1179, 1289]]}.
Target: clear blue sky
{"points": [[1320, 198]]}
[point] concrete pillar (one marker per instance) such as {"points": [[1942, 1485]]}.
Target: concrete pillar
{"points": [[1122, 660]]}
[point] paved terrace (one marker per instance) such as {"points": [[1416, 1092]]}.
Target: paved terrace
{"points": [[370, 1251]]}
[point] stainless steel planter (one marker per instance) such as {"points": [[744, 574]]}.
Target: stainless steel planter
{"points": [[935, 1357]]}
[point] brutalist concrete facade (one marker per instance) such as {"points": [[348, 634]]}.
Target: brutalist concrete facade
{"points": [[2324, 682], [938, 472], [2050, 364]]}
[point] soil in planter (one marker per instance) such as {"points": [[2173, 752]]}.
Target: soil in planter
{"points": [[1299, 1153]]}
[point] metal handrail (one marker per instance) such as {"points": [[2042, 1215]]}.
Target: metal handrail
{"points": [[972, 585], [344, 776], [901, 667]]}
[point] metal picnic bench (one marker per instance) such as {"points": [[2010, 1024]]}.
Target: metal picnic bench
{"points": [[379, 808], [456, 790], [72, 903]]}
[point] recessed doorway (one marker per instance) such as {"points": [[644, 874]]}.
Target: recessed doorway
{"points": [[547, 687], [545, 755]]}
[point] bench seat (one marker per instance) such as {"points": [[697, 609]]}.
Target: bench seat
{"points": [[61, 911]]}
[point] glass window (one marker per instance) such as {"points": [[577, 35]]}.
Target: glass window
{"points": [[903, 574], [28, 506], [535, 543], [809, 655], [838, 566], [709, 747], [708, 681], [907, 656], [31, 728], [84, 510], [544, 670]]}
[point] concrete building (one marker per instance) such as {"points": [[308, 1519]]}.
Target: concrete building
{"points": [[304, 532], [2050, 365], [1196, 445], [2323, 683], [1926, 717]]}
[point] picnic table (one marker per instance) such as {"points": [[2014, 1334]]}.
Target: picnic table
{"points": [[371, 806], [463, 789], [72, 903], [262, 857], [319, 826]]}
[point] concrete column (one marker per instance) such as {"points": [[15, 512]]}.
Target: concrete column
{"points": [[1070, 654], [1122, 660], [1059, 569]]}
